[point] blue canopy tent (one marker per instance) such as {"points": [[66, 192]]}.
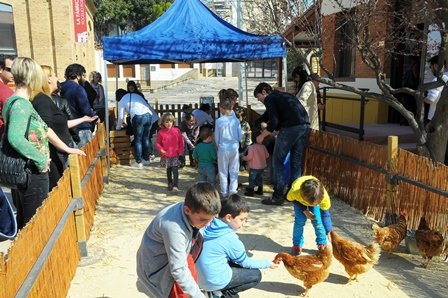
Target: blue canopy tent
{"points": [[190, 32]]}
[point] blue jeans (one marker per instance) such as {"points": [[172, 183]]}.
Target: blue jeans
{"points": [[290, 139], [255, 178], [142, 126], [207, 174], [299, 223], [242, 279]]}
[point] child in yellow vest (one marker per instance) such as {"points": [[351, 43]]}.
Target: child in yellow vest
{"points": [[311, 201]]}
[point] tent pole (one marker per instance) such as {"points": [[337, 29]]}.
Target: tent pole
{"points": [[285, 74], [245, 79], [106, 119], [240, 79], [116, 83]]}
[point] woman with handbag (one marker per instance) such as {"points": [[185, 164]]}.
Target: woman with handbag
{"points": [[29, 138], [139, 111]]}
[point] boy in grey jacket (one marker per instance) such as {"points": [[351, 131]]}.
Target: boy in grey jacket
{"points": [[162, 256]]}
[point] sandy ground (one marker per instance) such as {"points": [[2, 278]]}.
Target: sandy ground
{"points": [[134, 196]]}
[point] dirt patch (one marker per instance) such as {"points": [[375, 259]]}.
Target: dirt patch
{"points": [[134, 196]]}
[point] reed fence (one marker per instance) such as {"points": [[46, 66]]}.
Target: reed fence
{"points": [[358, 173], [42, 259]]}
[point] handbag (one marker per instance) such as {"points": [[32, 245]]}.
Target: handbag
{"points": [[8, 222], [129, 128], [14, 168]]}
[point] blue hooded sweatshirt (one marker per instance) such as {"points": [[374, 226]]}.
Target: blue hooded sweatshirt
{"points": [[221, 245]]}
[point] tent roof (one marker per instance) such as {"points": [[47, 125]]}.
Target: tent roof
{"points": [[190, 32]]}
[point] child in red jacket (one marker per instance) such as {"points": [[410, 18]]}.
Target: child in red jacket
{"points": [[170, 144]]}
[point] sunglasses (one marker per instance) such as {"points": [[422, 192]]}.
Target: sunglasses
{"points": [[8, 69]]}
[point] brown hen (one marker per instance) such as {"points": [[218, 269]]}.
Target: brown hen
{"points": [[355, 258], [311, 269], [429, 243], [390, 237]]}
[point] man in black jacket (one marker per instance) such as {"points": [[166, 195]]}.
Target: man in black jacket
{"points": [[290, 119]]}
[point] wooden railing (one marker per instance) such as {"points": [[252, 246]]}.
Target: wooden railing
{"points": [[42, 259]]}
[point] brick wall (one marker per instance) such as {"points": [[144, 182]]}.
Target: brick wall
{"points": [[378, 30], [44, 31]]}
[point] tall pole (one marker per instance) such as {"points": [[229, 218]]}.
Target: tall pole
{"points": [[239, 24]]}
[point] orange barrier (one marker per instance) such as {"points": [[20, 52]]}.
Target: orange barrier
{"points": [[42, 259]]}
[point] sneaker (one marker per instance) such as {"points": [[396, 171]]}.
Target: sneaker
{"points": [[138, 165], [296, 250], [146, 162], [175, 188], [259, 191], [152, 157], [249, 192], [272, 201], [170, 187]]}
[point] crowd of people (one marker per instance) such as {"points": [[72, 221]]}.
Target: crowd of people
{"points": [[190, 247], [44, 122], [168, 262]]}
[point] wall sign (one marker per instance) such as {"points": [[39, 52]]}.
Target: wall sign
{"points": [[80, 20]]}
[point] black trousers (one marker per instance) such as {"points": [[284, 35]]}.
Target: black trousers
{"points": [[27, 200], [172, 173]]}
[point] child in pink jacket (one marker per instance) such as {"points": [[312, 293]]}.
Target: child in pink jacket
{"points": [[170, 144], [256, 160]]}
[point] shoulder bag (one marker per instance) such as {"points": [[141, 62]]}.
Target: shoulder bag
{"points": [[14, 167], [129, 128], [8, 222]]}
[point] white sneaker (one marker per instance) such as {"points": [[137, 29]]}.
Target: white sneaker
{"points": [[152, 157], [146, 162], [175, 188], [137, 165]]}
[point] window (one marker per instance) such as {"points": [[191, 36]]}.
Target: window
{"points": [[7, 32], [111, 72], [129, 71], [344, 50], [315, 66], [167, 66], [262, 68]]}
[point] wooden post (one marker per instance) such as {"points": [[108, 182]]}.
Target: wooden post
{"points": [[2, 275], [76, 180], [102, 143], [391, 188]]}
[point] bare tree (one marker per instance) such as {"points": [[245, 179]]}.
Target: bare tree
{"points": [[375, 31]]}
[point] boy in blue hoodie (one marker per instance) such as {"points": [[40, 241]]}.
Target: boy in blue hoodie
{"points": [[223, 266]]}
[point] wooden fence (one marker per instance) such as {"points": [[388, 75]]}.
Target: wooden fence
{"points": [[42, 259], [176, 110], [358, 173], [120, 143]]}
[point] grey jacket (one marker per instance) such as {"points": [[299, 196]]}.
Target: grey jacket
{"points": [[162, 256]]}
